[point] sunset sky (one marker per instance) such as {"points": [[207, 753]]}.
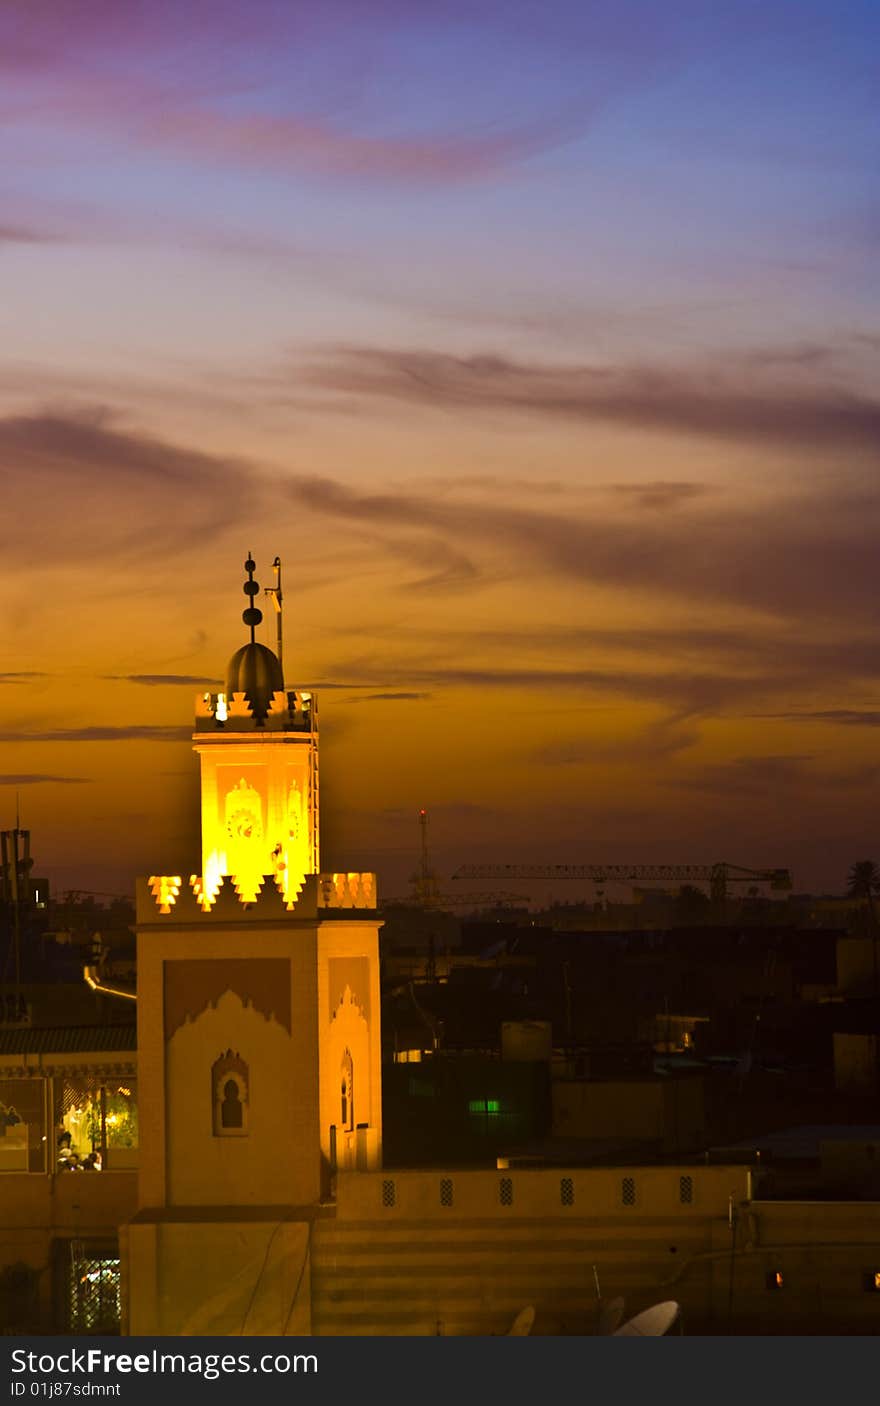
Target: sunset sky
{"points": [[541, 343]]}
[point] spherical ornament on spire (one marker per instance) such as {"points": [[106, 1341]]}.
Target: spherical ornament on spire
{"points": [[252, 616], [254, 670]]}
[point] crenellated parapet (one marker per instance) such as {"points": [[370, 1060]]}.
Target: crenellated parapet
{"points": [[291, 710], [195, 900], [346, 890]]}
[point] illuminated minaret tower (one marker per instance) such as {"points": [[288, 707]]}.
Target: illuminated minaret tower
{"points": [[259, 1046], [258, 747]]}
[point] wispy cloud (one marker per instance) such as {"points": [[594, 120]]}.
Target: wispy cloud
{"points": [[157, 680], [743, 651], [192, 99], [402, 697], [133, 493], [39, 778], [726, 553], [845, 717], [661, 740], [688, 694], [135, 732], [660, 494], [441, 565], [24, 234], [684, 401], [325, 147], [749, 775]]}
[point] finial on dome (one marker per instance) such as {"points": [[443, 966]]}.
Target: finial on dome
{"points": [[252, 616], [254, 670]]}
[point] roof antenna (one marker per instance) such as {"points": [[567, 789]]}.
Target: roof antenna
{"points": [[252, 616], [277, 598]]}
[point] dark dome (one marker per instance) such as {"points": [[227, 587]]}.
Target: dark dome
{"points": [[256, 672]]}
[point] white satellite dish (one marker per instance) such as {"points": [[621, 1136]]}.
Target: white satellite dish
{"points": [[610, 1315], [651, 1322], [522, 1323]]}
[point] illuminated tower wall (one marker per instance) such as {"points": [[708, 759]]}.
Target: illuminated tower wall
{"points": [[259, 789]]}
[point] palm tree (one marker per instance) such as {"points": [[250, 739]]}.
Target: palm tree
{"points": [[864, 882]]}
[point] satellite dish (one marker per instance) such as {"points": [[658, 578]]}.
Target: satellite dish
{"points": [[610, 1315], [652, 1322], [522, 1323]]}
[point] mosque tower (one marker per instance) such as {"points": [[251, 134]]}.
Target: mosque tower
{"points": [[258, 747], [259, 1054]]}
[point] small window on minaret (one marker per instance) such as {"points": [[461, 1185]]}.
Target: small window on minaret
{"points": [[231, 1095], [346, 1119]]}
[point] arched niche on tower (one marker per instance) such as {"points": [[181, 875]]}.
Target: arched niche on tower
{"points": [[346, 1092], [230, 1095]]}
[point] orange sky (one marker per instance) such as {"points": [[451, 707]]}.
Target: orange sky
{"points": [[552, 385]]}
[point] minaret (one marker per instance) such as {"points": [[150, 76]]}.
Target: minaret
{"points": [[258, 747], [259, 1040]]}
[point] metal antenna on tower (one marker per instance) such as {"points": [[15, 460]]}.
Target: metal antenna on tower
{"points": [[277, 598]]}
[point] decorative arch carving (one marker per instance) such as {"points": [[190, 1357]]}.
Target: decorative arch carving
{"points": [[230, 1095]]}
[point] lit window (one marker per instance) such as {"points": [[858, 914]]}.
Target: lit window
{"points": [[97, 1124], [483, 1106], [92, 1287]]}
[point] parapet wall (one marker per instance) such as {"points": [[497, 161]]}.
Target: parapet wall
{"points": [[171, 898], [541, 1192], [292, 711]]}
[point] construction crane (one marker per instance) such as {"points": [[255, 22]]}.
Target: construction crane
{"points": [[426, 893], [424, 880], [718, 876]]}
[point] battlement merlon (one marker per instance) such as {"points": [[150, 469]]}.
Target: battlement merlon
{"points": [[294, 710], [174, 899]]}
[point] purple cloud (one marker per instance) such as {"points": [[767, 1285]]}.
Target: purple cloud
{"points": [[684, 401]]}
